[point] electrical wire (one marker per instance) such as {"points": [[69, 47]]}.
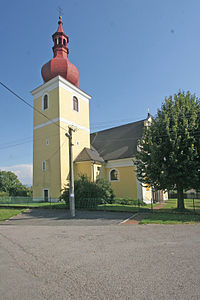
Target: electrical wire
{"points": [[16, 143], [6, 146], [28, 104]]}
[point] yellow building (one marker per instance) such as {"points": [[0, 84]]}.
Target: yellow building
{"points": [[60, 103], [112, 157]]}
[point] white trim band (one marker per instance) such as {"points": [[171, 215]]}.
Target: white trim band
{"points": [[59, 81], [126, 162], [61, 120]]}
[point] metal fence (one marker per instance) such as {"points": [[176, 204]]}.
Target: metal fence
{"points": [[117, 204], [18, 200], [192, 204], [186, 195]]}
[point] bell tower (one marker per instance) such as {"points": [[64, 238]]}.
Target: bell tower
{"points": [[62, 104]]}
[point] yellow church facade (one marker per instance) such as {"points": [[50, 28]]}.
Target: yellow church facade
{"points": [[59, 103]]}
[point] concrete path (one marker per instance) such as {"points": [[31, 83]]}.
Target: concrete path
{"points": [[137, 217], [159, 206]]}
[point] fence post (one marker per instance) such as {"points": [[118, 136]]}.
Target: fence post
{"points": [[152, 204], [193, 204], [138, 204]]}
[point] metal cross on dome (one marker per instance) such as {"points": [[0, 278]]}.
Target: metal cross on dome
{"points": [[60, 11]]}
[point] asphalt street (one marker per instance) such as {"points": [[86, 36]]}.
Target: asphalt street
{"points": [[47, 255]]}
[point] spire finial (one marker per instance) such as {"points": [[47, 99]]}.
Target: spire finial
{"points": [[60, 23], [60, 20]]}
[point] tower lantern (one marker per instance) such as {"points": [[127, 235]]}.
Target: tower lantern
{"points": [[60, 40]]}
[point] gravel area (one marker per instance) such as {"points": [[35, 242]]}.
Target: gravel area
{"points": [[88, 258]]}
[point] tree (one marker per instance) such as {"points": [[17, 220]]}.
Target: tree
{"points": [[168, 155], [10, 184]]}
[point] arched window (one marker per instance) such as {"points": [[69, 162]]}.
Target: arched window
{"points": [[114, 175], [60, 40], [75, 104], [45, 102], [55, 41], [44, 165], [64, 42]]}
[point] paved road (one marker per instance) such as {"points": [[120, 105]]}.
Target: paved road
{"points": [[86, 259]]}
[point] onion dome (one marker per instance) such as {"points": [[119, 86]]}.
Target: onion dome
{"points": [[60, 64]]}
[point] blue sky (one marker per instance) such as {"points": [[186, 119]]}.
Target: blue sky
{"points": [[130, 55]]}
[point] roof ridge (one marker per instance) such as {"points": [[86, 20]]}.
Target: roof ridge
{"points": [[111, 128]]}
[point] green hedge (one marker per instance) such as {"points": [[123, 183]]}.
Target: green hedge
{"points": [[89, 193], [128, 201]]}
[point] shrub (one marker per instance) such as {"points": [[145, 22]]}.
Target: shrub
{"points": [[105, 190], [4, 194], [129, 201], [89, 194]]}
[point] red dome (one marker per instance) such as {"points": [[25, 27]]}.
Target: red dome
{"points": [[60, 64]]}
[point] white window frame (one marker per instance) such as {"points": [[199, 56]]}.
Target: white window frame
{"points": [[44, 165], [110, 175], [47, 101], [77, 111]]}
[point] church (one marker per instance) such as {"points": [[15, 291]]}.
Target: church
{"points": [[105, 154]]}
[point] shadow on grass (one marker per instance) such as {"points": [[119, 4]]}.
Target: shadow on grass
{"points": [[185, 211], [122, 208]]}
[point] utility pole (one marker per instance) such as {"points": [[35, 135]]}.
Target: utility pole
{"points": [[71, 173]]}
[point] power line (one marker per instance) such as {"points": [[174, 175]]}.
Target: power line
{"points": [[16, 143], [109, 122], [11, 143], [11, 146], [28, 104], [7, 146]]}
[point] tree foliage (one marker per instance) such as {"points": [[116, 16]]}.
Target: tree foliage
{"points": [[10, 184], [85, 189], [168, 154]]}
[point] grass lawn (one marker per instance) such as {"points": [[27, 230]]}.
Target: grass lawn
{"points": [[6, 213], [170, 218], [170, 215], [121, 207], [171, 205]]}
